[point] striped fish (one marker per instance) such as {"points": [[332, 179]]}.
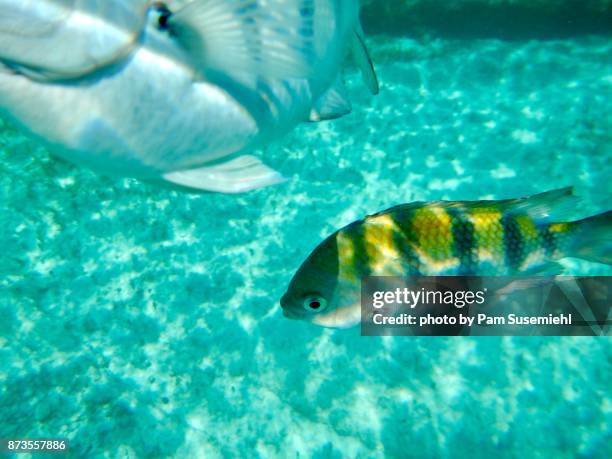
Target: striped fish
{"points": [[443, 238]]}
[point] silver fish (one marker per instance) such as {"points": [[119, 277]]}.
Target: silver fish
{"points": [[180, 93]]}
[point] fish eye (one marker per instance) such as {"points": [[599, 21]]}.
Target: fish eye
{"points": [[162, 14], [314, 303]]}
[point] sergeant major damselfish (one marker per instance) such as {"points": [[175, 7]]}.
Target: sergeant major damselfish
{"points": [[524, 236]]}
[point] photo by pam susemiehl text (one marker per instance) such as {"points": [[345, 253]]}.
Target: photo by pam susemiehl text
{"points": [[456, 305]]}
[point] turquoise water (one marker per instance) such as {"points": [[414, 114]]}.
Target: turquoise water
{"points": [[140, 321]]}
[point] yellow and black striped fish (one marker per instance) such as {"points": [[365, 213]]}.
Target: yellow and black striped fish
{"points": [[477, 238]]}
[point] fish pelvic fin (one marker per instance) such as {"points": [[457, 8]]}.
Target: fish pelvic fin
{"points": [[238, 175], [591, 238], [332, 104]]}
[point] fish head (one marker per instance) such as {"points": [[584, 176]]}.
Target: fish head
{"points": [[320, 293]]}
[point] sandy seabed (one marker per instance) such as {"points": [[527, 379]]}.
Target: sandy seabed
{"points": [[140, 321]]}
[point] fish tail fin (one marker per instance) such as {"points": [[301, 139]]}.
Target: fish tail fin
{"points": [[591, 238]]}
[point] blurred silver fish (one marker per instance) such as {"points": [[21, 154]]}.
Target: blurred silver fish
{"points": [[141, 89]]}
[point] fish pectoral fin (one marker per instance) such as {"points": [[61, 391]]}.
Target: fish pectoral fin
{"points": [[332, 104], [238, 175], [364, 62], [242, 36], [50, 39]]}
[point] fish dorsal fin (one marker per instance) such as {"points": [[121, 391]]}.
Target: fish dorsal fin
{"points": [[554, 205], [53, 39], [364, 62], [398, 209], [245, 36]]}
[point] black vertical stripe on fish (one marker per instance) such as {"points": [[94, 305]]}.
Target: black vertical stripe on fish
{"points": [[361, 262], [513, 242], [401, 241], [464, 241], [548, 240]]}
